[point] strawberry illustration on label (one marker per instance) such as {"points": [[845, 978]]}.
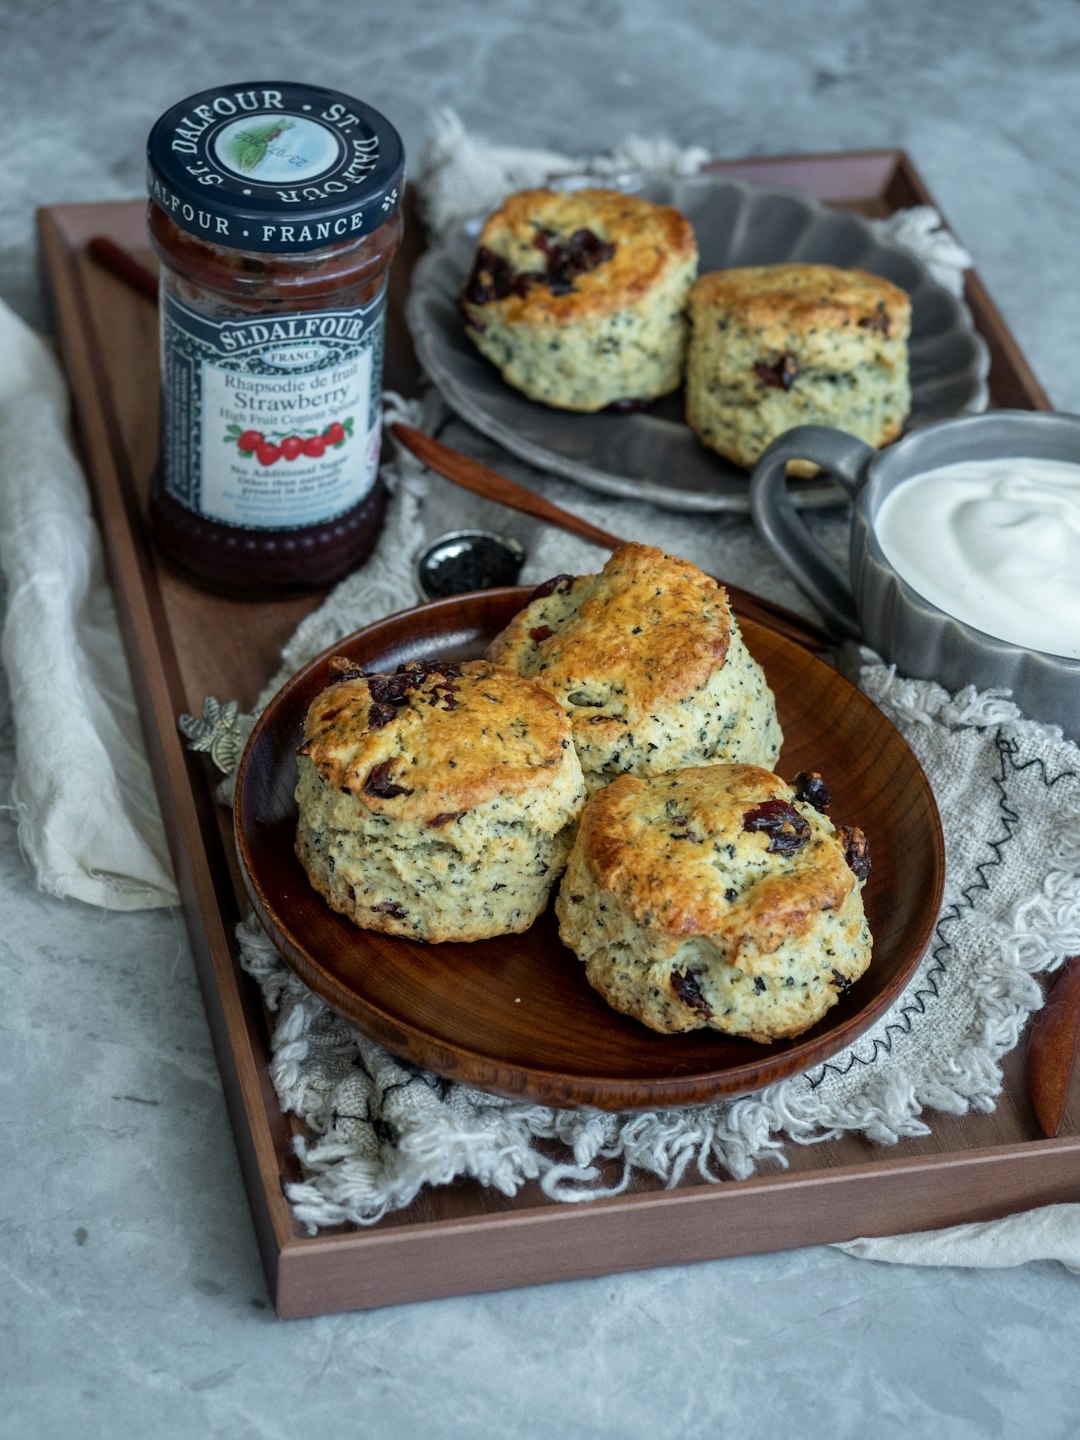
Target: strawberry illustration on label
{"points": [[291, 444]]}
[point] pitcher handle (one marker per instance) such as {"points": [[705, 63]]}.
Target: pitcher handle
{"points": [[781, 527]]}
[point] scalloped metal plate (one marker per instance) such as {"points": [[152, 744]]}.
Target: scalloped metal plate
{"points": [[652, 455]]}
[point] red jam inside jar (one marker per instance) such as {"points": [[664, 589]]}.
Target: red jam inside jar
{"points": [[275, 211]]}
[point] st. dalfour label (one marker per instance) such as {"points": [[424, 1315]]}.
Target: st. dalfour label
{"points": [[272, 423]]}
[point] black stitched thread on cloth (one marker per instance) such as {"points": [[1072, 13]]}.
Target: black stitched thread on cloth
{"points": [[385, 1133], [916, 1003], [414, 1075]]}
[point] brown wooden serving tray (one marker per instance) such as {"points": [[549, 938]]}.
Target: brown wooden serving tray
{"points": [[184, 644]]}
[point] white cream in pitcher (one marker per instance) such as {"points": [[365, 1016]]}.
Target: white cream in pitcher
{"points": [[995, 543]]}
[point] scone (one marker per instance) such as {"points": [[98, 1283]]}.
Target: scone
{"points": [[437, 802], [775, 346], [717, 897], [650, 665], [579, 296]]}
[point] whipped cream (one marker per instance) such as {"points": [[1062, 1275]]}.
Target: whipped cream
{"points": [[995, 543]]}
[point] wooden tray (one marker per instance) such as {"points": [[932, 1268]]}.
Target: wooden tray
{"points": [[184, 644]]}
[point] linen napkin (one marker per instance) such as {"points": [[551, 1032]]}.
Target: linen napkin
{"points": [[1050, 1233], [83, 796]]}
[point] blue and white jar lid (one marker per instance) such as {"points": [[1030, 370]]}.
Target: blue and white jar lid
{"points": [[275, 167]]}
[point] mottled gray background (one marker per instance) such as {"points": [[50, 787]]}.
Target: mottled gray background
{"points": [[133, 1300]]}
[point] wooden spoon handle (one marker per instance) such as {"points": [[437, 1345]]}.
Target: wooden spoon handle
{"points": [[471, 475], [1052, 1047], [123, 265]]}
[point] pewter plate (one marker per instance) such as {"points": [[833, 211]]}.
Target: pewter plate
{"points": [[652, 455]]}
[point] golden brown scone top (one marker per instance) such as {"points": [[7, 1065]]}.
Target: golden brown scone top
{"points": [[647, 631], [807, 298], [649, 239], [669, 849], [427, 744]]}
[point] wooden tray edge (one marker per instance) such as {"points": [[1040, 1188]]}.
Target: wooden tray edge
{"points": [[675, 1227]]}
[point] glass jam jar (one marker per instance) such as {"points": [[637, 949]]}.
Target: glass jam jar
{"points": [[275, 210]]}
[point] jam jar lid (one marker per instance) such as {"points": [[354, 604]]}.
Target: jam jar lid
{"points": [[275, 167]]}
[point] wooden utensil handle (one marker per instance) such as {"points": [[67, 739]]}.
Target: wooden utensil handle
{"points": [[1052, 1047], [123, 265], [471, 475]]}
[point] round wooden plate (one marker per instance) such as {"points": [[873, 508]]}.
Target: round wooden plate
{"points": [[515, 1015]]}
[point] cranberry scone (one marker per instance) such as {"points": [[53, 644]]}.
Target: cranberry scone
{"points": [[438, 802], [775, 346], [578, 297], [648, 661], [718, 897]]}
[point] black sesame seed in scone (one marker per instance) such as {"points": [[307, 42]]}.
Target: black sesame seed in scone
{"points": [[775, 346], [578, 297], [716, 897], [436, 802], [649, 663]]}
